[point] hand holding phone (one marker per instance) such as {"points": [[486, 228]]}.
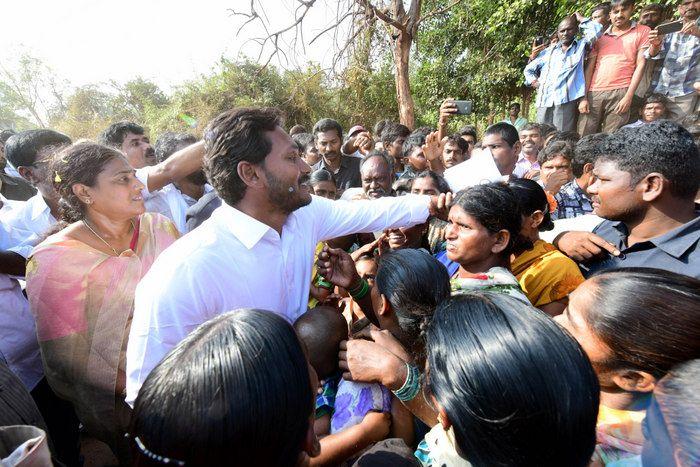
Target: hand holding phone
{"points": [[668, 28], [464, 107]]}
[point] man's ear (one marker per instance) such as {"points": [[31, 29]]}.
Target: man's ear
{"points": [[250, 174], [634, 381], [653, 185], [587, 168], [517, 147], [26, 173], [502, 237]]}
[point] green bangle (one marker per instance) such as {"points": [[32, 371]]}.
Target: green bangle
{"points": [[411, 387], [364, 290], [357, 289], [321, 282]]}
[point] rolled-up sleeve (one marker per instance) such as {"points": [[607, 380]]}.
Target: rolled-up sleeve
{"points": [[338, 218]]}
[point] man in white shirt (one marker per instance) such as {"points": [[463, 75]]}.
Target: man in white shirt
{"points": [[175, 199], [257, 249], [130, 139], [31, 152]]}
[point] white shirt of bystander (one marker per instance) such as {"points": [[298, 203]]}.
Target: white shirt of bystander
{"points": [[234, 261]]}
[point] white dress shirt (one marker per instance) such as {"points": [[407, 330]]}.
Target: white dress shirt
{"points": [[234, 261], [18, 345], [29, 225], [173, 204]]}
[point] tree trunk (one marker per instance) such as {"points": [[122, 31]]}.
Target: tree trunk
{"points": [[401, 52]]}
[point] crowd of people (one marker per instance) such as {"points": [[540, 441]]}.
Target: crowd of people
{"points": [[315, 297]]}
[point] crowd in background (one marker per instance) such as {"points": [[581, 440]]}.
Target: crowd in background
{"points": [[321, 297]]}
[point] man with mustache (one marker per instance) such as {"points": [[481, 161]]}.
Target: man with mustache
{"points": [[130, 139], [376, 174], [532, 143], [645, 182], [328, 135], [257, 249], [678, 55]]}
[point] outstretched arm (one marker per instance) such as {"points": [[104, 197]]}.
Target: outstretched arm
{"points": [[179, 165]]}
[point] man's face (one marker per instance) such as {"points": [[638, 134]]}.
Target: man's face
{"points": [[601, 17], [650, 18], [416, 159], [504, 155], [286, 173], [394, 149], [514, 110], [612, 193], [567, 31], [653, 111], [328, 144], [39, 173], [311, 155], [532, 142], [376, 178], [620, 16], [452, 154], [471, 142], [138, 150], [425, 186], [689, 9], [557, 164]]}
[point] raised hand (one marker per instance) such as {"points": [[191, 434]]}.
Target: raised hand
{"points": [[440, 205], [337, 267], [433, 146]]}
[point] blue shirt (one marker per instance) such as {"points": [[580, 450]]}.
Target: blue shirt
{"points": [[561, 73], [680, 67], [572, 201], [676, 251]]}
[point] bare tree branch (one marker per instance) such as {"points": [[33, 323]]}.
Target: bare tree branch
{"points": [[439, 11]]}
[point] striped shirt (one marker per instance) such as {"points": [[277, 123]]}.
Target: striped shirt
{"points": [[560, 73], [680, 67]]}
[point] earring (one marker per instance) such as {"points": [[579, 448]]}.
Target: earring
{"points": [[88, 201]]}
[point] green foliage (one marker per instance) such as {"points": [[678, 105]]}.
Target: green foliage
{"points": [[477, 50]]}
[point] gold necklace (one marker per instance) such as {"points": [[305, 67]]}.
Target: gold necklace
{"points": [[103, 240]]}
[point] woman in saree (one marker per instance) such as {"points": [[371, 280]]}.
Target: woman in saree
{"points": [[81, 283]]}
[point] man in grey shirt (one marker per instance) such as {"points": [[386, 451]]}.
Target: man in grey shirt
{"points": [[646, 181]]}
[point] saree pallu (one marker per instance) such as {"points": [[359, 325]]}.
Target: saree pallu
{"points": [[83, 302]]}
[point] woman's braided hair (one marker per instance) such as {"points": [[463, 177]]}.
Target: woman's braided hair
{"points": [[79, 163]]}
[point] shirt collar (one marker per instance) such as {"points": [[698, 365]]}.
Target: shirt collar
{"points": [[609, 30], [39, 206], [675, 242], [248, 230], [344, 161]]}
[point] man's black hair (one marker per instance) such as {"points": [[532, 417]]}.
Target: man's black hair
{"points": [[169, 142], [393, 131], [621, 3], [468, 130], [586, 151], [414, 140], [327, 124], [114, 134], [662, 146], [5, 135], [656, 99], [555, 149], [505, 131], [303, 140], [605, 6], [457, 140], [22, 148]]}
